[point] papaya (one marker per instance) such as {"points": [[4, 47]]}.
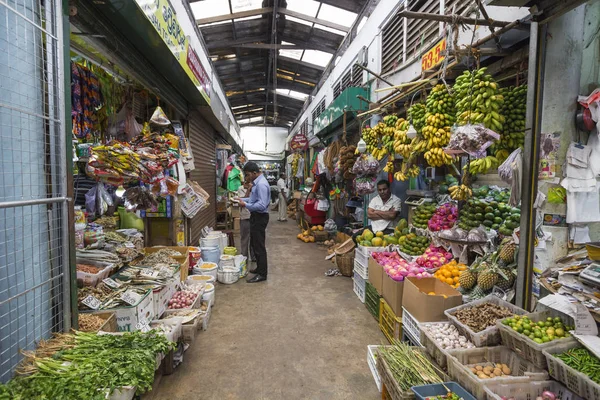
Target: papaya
{"points": [[377, 242], [368, 235]]}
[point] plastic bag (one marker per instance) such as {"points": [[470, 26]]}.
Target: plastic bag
{"points": [[132, 128], [159, 117], [330, 225], [471, 139], [364, 185], [365, 165], [90, 200], [557, 195]]}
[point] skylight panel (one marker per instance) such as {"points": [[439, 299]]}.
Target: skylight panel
{"points": [[209, 8], [306, 7], [317, 57], [342, 17]]}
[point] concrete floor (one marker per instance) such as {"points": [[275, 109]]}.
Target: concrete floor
{"points": [[300, 335]]}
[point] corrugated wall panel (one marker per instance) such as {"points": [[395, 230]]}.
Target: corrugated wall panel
{"points": [[202, 140]]}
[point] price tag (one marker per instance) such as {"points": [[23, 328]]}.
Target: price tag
{"points": [[166, 270], [130, 297], [143, 326], [92, 302], [150, 273], [112, 283], [584, 322]]}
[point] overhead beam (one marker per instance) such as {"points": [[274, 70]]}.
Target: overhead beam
{"points": [[228, 17], [301, 63], [223, 44], [315, 20], [452, 19], [308, 46], [277, 46], [348, 5]]}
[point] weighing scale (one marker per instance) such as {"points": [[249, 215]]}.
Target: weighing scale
{"points": [[591, 274], [415, 198]]}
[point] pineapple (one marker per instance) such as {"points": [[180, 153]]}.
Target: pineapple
{"points": [[508, 251], [467, 279], [487, 279], [506, 282], [477, 293]]}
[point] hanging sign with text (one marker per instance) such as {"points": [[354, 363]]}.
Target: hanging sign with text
{"points": [[434, 56]]}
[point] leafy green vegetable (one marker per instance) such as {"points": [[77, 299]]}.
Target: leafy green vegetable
{"points": [[94, 366]]}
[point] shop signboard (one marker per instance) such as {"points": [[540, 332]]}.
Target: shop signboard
{"points": [[164, 20], [299, 142], [434, 56]]}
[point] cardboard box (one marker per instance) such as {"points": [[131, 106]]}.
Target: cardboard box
{"points": [[426, 308], [376, 275], [236, 225], [393, 293], [235, 212], [129, 317]]}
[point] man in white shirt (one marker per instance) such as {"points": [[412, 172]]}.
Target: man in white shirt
{"points": [[281, 185], [383, 210]]}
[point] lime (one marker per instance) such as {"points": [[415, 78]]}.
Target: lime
{"points": [[526, 326], [519, 329], [559, 332], [545, 339], [538, 340], [549, 319], [537, 334], [526, 332], [557, 320]]}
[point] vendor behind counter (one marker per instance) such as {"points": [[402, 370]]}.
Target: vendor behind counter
{"points": [[383, 211]]}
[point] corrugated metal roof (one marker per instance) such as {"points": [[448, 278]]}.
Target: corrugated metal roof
{"points": [[264, 70]]}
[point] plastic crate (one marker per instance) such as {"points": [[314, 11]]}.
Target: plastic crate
{"points": [[460, 361], [363, 253], [489, 336], [576, 381], [423, 392], [372, 300], [390, 388], [389, 323], [528, 391], [372, 361], [433, 348], [361, 268], [359, 287], [410, 327], [527, 348]]}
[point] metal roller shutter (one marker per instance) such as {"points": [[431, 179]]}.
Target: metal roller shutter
{"points": [[202, 140]]}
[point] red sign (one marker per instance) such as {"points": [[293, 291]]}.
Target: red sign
{"points": [[194, 63], [299, 142]]}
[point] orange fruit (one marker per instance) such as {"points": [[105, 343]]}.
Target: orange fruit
{"points": [[455, 279], [449, 281]]}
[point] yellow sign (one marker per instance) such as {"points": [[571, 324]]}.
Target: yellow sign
{"points": [[434, 56], [164, 20]]}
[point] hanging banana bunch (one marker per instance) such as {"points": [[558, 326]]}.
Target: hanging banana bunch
{"points": [[479, 100], [483, 165], [439, 117]]}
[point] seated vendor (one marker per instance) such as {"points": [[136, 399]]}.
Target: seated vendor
{"points": [[383, 210]]}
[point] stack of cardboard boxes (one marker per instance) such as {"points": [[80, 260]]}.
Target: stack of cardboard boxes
{"points": [[235, 214], [425, 299]]}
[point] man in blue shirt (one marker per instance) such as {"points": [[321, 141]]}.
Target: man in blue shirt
{"points": [[258, 205]]}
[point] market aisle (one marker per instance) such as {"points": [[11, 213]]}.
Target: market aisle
{"points": [[301, 335]]}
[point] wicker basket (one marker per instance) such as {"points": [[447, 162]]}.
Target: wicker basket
{"points": [[320, 236], [345, 263]]}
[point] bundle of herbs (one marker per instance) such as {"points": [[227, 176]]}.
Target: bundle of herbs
{"points": [[409, 366], [88, 366]]}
